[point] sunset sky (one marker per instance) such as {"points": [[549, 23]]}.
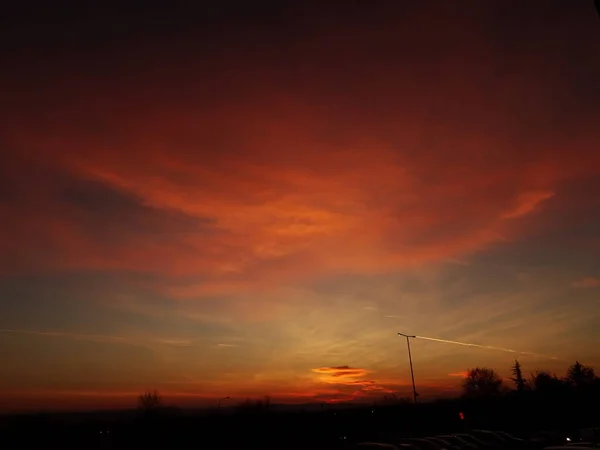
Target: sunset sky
{"points": [[248, 201]]}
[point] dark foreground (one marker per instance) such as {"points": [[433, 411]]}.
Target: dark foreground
{"points": [[326, 429]]}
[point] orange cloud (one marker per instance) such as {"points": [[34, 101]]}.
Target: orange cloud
{"points": [[458, 374], [350, 384], [341, 372]]}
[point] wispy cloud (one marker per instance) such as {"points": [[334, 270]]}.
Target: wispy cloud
{"points": [[526, 203], [587, 282], [456, 261], [104, 338], [89, 337], [176, 342], [458, 374]]}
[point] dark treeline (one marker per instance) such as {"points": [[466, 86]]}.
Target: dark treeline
{"points": [[542, 400], [522, 405]]}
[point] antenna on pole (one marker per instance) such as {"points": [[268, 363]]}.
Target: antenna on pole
{"points": [[412, 374]]}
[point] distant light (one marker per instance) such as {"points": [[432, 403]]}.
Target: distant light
{"points": [[568, 439], [461, 415], [372, 411]]}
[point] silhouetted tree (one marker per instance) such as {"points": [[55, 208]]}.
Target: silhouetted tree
{"points": [[150, 401], [482, 382], [546, 383], [580, 376], [520, 382]]}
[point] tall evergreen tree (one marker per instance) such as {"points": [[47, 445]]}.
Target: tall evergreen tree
{"points": [[517, 378], [580, 376]]}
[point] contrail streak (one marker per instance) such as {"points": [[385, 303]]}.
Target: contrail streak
{"points": [[489, 347], [89, 337]]}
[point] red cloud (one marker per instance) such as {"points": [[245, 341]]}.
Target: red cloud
{"points": [[526, 203], [258, 224], [284, 188]]}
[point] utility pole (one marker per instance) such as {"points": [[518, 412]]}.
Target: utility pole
{"points": [[412, 374]]}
